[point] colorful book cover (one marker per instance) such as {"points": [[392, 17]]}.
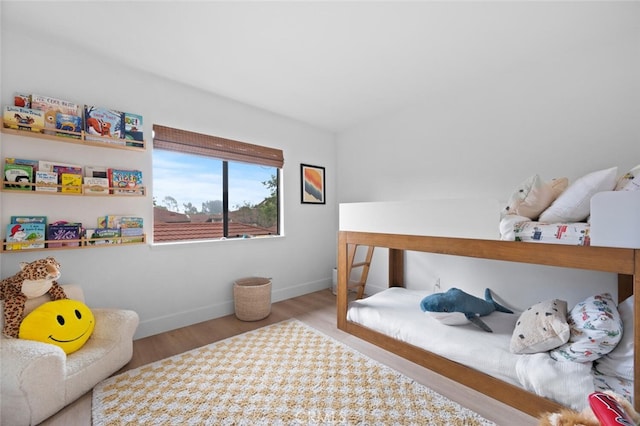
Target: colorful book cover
{"points": [[23, 161], [103, 236], [47, 103], [60, 170], [96, 185], [64, 231], [25, 236], [126, 182], [46, 181], [131, 232], [120, 221], [21, 100], [28, 219], [18, 177], [132, 235], [71, 183], [48, 166], [108, 124], [109, 221], [130, 222], [69, 123], [103, 222], [23, 118], [51, 108], [96, 171], [133, 130]]}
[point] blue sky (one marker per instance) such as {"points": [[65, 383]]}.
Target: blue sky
{"points": [[196, 179]]}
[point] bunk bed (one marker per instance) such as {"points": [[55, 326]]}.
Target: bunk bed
{"points": [[623, 261]]}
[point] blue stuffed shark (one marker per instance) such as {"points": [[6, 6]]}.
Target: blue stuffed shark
{"points": [[456, 300]]}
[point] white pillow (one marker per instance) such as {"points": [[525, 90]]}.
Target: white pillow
{"points": [[508, 224], [574, 204], [540, 328], [533, 196], [596, 328], [630, 181], [619, 362]]}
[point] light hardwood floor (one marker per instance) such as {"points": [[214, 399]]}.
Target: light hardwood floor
{"points": [[317, 310]]}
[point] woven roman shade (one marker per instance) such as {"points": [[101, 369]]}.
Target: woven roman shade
{"points": [[213, 146]]}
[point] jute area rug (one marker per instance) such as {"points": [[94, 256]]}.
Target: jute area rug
{"points": [[283, 374]]}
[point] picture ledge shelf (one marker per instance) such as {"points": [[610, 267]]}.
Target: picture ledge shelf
{"points": [[82, 243], [77, 138]]}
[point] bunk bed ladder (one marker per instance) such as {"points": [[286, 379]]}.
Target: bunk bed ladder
{"points": [[364, 273]]}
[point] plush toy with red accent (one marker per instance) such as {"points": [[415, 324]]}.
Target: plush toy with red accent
{"points": [[34, 279], [605, 409]]}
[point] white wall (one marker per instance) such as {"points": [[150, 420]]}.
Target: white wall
{"points": [[169, 286], [558, 116]]}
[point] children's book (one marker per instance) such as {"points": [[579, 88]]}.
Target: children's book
{"points": [[130, 222], [46, 181], [120, 221], [71, 125], [96, 185], [70, 177], [28, 219], [71, 183], [133, 129], [126, 182], [18, 177], [107, 124], [109, 221], [19, 118], [131, 232], [103, 236], [70, 170], [23, 161], [132, 235], [21, 100], [64, 231], [46, 103], [96, 171], [25, 236], [48, 166], [51, 108]]}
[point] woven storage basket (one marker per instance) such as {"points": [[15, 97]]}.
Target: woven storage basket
{"points": [[252, 298]]}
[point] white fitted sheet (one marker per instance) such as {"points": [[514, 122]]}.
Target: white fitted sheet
{"points": [[396, 312]]}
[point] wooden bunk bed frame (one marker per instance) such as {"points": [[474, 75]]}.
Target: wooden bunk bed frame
{"points": [[623, 261]]}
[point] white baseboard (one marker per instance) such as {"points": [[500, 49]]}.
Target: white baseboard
{"points": [[171, 321]]}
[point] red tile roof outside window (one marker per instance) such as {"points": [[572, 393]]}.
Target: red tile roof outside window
{"points": [[171, 226]]}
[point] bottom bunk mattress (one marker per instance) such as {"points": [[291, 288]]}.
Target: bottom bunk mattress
{"points": [[396, 313]]}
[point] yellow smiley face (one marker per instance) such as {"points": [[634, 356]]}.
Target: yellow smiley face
{"points": [[65, 323]]}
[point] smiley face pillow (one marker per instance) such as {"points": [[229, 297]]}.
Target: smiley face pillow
{"points": [[65, 323]]}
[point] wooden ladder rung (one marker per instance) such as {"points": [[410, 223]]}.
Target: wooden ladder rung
{"points": [[360, 284], [354, 284]]}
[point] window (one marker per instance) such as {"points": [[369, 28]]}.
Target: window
{"points": [[206, 187]]}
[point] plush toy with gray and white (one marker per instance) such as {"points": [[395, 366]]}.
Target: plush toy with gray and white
{"points": [[456, 300]]}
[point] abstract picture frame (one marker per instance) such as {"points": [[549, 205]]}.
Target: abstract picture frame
{"points": [[312, 184]]}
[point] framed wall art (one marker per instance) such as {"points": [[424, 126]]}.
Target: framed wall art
{"points": [[312, 184]]}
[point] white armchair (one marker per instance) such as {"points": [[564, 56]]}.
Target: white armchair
{"points": [[39, 379]]}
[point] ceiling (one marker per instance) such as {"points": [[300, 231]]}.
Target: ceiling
{"points": [[331, 64]]}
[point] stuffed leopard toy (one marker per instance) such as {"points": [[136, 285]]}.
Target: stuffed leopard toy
{"points": [[34, 280]]}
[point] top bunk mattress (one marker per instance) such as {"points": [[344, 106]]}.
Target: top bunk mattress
{"points": [[396, 312]]}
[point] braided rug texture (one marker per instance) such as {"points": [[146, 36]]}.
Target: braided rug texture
{"points": [[283, 374]]}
